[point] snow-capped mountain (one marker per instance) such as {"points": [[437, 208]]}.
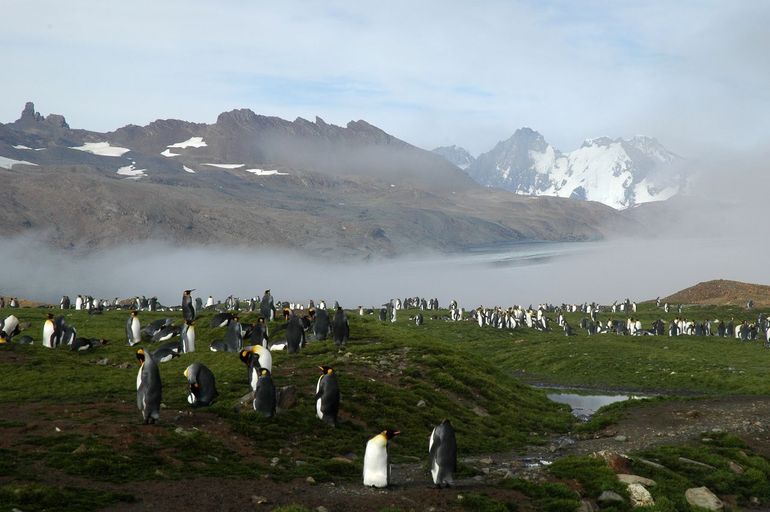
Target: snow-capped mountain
{"points": [[456, 155], [617, 172]]}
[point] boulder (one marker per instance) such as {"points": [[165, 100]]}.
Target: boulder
{"points": [[640, 497], [704, 498], [608, 498], [636, 479], [287, 397], [617, 462]]}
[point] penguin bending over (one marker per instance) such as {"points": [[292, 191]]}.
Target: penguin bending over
{"points": [[327, 396], [220, 320], [148, 387], [264, 392], [203, 385], [376, 461], [84, 344], [167, 351], [442, 448]]}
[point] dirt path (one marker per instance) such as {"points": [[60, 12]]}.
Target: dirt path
{"points": [[659, 423]]}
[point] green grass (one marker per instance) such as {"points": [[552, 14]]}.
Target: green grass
{"points": [[396, 376], [34, 497]]}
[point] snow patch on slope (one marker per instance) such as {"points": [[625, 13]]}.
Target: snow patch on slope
{"points": [[262, 172], [226, 166], [192, 142], [8, 163], [132, 172], [102, 149]]}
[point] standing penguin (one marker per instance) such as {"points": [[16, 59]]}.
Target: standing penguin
{"points": [[148, 387], [188, 309], [203, 385], [376, 461], [442, 448], [188, 337], [133, 329], [49, 332], [264, 393], [267, 306], [327, 396], [295, 334], [321, 324], [234, 335], [340, 327]]}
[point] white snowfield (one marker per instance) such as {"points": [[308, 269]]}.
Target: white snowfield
{"points": [[8, 163], [262, 172], [192, 142], [102, 149], [601, 170], [167, 153], [187, 169], [226, 166], [132, 172]]}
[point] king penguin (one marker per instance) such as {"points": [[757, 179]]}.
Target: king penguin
{"points": [[188, 337], [340, 327], [264, 393], [49, 332], [148, 387], [188, 309], [376, 462], [203, 385], [133, 329], [327, 396], [442, 448], [295, 335]]}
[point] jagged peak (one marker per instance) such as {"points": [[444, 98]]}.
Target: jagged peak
{"points": [[30, 118]]}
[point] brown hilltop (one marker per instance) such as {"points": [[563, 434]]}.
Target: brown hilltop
{"points": [[721, 292]]}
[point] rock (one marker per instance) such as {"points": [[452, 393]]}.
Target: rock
{"points": [[103, 362], [616, 461], [587, 506], [640, 497], [421, 403], [259, 500], [321, 508], [635, 479], [285, 451], [478, 411], [125, 366], [685, 460], [80, 449], [342, 459], [274, 461], [651, 464], [704, 498], [300, 463], [610, 498], [486, 460], [310, 480], [621, 438], [735, 468], [287, 397], [245, 401]]}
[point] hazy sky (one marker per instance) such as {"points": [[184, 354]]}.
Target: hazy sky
{"points": [[694, 74]]}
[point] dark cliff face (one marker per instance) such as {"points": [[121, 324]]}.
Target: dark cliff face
{"points": [[256, 180]]}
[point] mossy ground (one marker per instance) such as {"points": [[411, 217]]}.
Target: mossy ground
{"points": [[392, 376]]}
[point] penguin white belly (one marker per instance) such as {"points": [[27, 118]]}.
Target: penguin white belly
{"points": [[139, 379], [47, 333], [434, 463], [135, 330], [191, 398], [254, 379], [318, 401], [376, 462]]}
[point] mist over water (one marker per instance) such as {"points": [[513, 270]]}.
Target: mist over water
{"points": [[518, 274]]}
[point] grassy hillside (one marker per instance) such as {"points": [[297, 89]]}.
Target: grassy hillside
{"points": [[68, 418]]}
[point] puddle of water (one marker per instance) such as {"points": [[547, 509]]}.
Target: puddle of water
{"points": [[585, 406]]}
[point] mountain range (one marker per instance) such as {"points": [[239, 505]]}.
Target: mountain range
{"points": [[254, 180], [621, 173]]}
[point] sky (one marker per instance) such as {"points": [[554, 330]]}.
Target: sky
{"points": [[692, 73]]}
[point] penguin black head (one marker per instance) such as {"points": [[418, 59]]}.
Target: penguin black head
{"points": [[326, 370], [140, 356], [245, 355], [390, 434], [50, 316], [188, 292], [190, 322], [134, 313]]}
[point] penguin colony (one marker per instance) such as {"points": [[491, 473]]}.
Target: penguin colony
{"points": [[252, 344]]}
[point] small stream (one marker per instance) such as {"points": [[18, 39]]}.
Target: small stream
{"points": [[584, 406]]}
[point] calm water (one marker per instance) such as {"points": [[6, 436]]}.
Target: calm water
{"points": [[585, 406]]}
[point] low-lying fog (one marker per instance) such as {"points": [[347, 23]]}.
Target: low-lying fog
{"points": [[722, 233], [523, 274]]}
